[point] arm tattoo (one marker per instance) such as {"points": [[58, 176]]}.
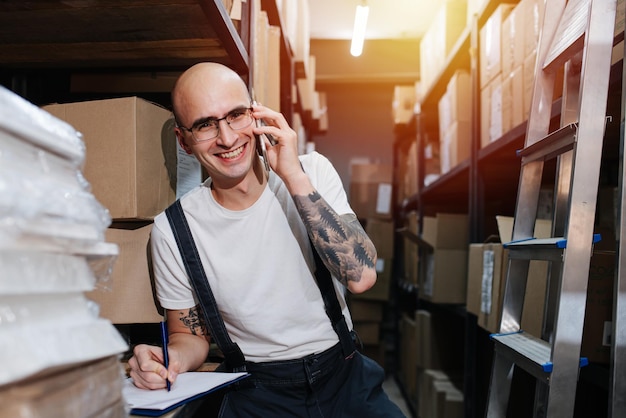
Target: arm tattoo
{"points": [[341, 241], [194, 320]]}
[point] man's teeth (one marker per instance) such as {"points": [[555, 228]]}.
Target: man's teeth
{"points": [[232, 154]]}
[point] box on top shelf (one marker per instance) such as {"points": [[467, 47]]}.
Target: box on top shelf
{"points": [[440, 37], [490, 36], [370, 190], [295, 17], [131, 153], [266, 66], [513, 38], [533, 20]]}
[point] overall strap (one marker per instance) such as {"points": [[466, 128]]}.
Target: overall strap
{"points": [[233, 356], [333, 309]]}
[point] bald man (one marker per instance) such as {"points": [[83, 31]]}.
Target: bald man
{"points": [[255, 234]]}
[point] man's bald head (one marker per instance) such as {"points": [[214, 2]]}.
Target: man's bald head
{"points": [[202, 78]]}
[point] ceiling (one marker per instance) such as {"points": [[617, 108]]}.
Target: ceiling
{"points": [[388, 19], [391, 48]]}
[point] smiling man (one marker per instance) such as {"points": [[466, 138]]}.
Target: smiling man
{"points": [[256, 235]]}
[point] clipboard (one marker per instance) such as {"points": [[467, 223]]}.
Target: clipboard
{"points": [[188, 387]]}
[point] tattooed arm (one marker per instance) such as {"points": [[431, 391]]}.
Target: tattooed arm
{"points": [[188, 349], [341, 241]]}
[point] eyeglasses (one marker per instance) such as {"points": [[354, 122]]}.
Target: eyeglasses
{"points": [[209, 128]]}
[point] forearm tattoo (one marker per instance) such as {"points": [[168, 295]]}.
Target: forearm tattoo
{"points": [[341, 241], [194, 320]]}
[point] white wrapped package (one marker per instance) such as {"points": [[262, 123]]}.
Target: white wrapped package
{"points": [[29, 272], [33, 124], [41, 192], [39, 332]]}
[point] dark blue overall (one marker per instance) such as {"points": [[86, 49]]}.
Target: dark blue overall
{"points": [[339, 382]]}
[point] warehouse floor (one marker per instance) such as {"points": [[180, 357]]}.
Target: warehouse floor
{"points": [[393, 391]]}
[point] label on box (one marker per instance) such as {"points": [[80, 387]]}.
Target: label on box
{"points": [[383, 202], [487, 282], [188, 172]]}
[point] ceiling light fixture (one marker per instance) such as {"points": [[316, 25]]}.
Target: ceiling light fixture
{"points": [[358, 34]]}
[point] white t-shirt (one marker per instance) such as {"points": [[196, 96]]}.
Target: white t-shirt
{"points": [[259, 265]]}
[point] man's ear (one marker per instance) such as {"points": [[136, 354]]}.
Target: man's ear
{"points": [[181, 140]]}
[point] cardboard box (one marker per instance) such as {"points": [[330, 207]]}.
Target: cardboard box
{"points": [[370, 190], [440, 37], [490, 49], [491, 97], [447, 400], [381, 289], [428, 381], [512, 106], [128, 297], [456, 145], [382, 234], [131, 153], [446, 231], [403, 104], [444, 274], [512, 44], [408, 362], [366, 310], [533, 21], [459, 89], [487, 271]]}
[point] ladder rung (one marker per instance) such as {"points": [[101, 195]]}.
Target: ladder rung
{"points": [[556, 143], [530, 353], [540, 248]]}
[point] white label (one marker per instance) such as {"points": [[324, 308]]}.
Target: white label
{"points": [[383, 202], [486, 289], [188, 172]]}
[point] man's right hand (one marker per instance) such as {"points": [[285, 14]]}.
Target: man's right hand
{"points": [[147, 369]]}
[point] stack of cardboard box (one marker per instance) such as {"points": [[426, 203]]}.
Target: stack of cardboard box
{"points": [[444, 278], [55, 347], [370, 198], [132, 167], [455, 121]]}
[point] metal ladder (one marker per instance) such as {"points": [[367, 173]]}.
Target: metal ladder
{"points": [[617, 384], [577, 37]]}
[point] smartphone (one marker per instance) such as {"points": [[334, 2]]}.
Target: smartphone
{"points": [[262, 148]]}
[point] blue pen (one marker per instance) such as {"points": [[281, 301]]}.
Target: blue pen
{"points": [[165, 340]]}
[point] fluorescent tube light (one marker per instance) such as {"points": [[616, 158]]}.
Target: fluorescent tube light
{"points": [[358, 35]]}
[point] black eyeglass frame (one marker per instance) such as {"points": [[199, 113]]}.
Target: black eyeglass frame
{"points": [[217, 122]]}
